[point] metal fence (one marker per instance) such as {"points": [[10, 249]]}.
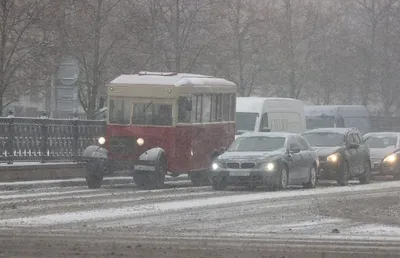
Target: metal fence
{"points": [[46, 140], [385, 123]]}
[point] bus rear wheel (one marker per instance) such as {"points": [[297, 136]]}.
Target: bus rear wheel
{"points": [[149, 180], [199, 179]]}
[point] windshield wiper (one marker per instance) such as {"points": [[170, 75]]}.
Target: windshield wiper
{"points": [[148, 105]]}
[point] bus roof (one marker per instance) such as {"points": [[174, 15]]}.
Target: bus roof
{"points": [[257, 104], [167, 85], [333, 110]]}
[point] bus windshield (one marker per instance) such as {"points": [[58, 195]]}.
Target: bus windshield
{"points": [[245, 121], [314, 122], [152, 114]]}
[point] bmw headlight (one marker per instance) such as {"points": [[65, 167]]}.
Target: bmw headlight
{"points": [[270, 166], [391, 158], [215, 166], [101, 140], [333, 158]]}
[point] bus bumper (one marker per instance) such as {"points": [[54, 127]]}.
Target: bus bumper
{"points": [[119, 165]]}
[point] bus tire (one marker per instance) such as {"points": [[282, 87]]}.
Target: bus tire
{"points": [[94, 175], [154, 179], [199, 179]]}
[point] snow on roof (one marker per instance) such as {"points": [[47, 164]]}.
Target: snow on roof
{"points": [[256, 104], [333, 110], [267, 134], [339, 130], [383, 134], [171, 79]]}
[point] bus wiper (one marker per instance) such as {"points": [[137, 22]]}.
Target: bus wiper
{"points": [[148, 105]]}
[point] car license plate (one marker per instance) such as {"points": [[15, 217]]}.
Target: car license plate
{"points": [[239, 173]]}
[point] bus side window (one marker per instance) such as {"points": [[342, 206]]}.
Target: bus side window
{"points": [[206, 109], [225, 107], [184, 109], [232, 107], [196, 108], [216, 108]]}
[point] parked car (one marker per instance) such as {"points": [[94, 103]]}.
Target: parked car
{"points": [[385, 152], [342, 153], [273, 159]]}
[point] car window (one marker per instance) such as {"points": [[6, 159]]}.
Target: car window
{"points": [[358, 138], [264, 121], [350, 138], [355, 138], [303, 144], [324, 139], [292, 143]]}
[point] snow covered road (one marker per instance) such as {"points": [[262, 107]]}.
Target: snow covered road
{"points": [[328, 212]]}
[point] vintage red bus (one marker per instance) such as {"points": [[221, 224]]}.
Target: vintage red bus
{"points": [[163, 124]]}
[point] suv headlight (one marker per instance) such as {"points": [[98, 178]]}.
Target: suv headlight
{"points": [[333, 158], [101, 140], [270, 166], [391, 158]]}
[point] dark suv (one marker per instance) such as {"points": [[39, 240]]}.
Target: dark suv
{"points": [[342, 154]]}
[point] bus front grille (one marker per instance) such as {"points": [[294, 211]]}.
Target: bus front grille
{"points": [[122, 145]]}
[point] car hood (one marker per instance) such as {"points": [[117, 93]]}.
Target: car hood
{"points": [[253, 155], [381, 152], [325, 151]]}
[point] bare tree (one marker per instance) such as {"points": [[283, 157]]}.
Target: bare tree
{"points": [[242, 49], [179, 32], [93, 34], [20, 41], [371, 14]]}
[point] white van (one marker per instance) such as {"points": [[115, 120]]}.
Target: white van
{"points": [[277, 114], [338, 116]]}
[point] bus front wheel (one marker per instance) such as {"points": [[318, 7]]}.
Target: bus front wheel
{"points": [[152, 180], [94, 175]]}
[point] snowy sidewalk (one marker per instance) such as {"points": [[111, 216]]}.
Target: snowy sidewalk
{"points": [[77, 182], [37, 163]]}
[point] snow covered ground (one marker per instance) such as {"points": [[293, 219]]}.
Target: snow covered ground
{"points": [[180, 210]]}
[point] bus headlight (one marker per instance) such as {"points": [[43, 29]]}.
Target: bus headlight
{"points": [[140, 141], [215, 166], [270, 166], [101, 140], [333, 158], [391, 158]]}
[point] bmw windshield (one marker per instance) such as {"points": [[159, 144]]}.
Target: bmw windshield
{"points": [[258, 143]]}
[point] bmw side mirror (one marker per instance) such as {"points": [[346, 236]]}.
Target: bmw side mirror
{"points": [[295, 150]]}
